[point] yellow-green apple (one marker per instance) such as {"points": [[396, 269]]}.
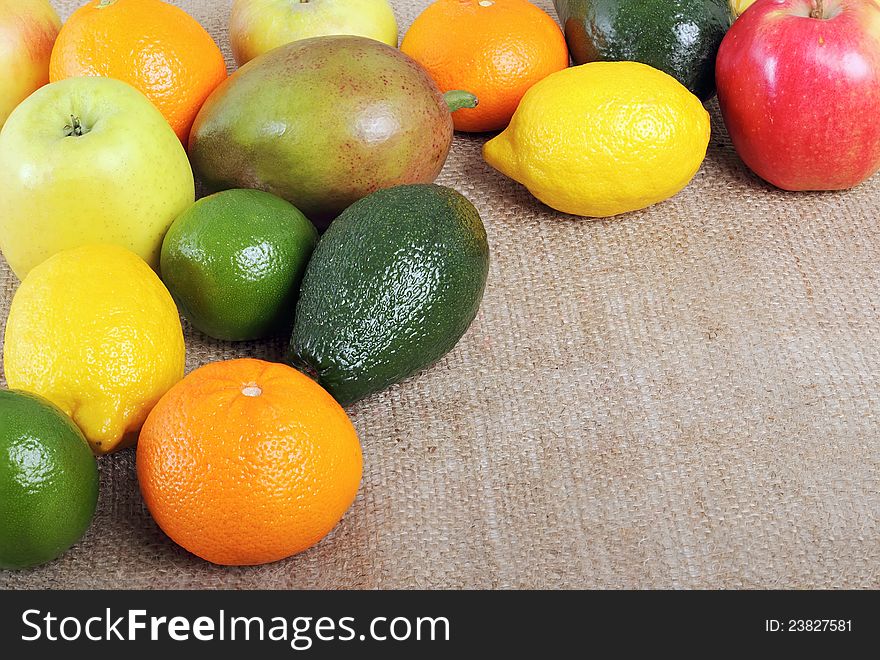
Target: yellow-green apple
{"points": [[799, 90], [257, 26], [88, 160], [27, 33]]}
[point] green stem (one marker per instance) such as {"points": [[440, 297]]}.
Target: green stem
{"points": [[74, 128], [457, 99], [106, 3]]}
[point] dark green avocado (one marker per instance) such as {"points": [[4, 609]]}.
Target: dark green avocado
{"points": [[392, 286], [680, 37]]}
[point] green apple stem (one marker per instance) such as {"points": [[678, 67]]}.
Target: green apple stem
{"points": [[74, 128], [817, 9], [457, 99]]}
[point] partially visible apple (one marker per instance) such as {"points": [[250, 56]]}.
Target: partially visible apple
{"points": [[27, 33], [257, 26], [799, 90], [88, 160]]}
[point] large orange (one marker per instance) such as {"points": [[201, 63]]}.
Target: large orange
{"points": [[246, 462], [495, 49], [155, 47]]}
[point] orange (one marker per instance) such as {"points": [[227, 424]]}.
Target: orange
{"points": [[495, 49], [245, 462], [155, 47]]}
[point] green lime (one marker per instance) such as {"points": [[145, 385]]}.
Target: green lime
{"points": [[234, 261], [48, 481]]}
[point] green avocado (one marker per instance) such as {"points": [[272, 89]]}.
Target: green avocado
{"points": [[392, 286], [680, 37]]}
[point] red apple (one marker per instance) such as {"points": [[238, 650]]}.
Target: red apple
{"points": [[799, 90], [27, 33]]}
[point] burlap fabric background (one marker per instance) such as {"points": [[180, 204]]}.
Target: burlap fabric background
{"points": [[688, 396]]}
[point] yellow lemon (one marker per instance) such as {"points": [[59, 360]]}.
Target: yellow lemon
{"points": [[737, 7], [95, 331], [603, 138]]}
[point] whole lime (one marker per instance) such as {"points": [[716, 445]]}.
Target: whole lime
{"points": [[234, 261], [48, 481]]}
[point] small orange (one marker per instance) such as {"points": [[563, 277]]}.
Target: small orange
{"points": [[495, 49], [246, 462], [153, 46]]}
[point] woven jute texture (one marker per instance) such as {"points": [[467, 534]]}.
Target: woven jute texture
{"points": [[687, 396]]}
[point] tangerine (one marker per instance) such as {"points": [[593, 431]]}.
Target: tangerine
{"points": [[156, 47], [246, 462], [495, 49]]}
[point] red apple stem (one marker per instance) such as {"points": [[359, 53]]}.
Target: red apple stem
{"points": [[457, 99], [817, 8]]}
